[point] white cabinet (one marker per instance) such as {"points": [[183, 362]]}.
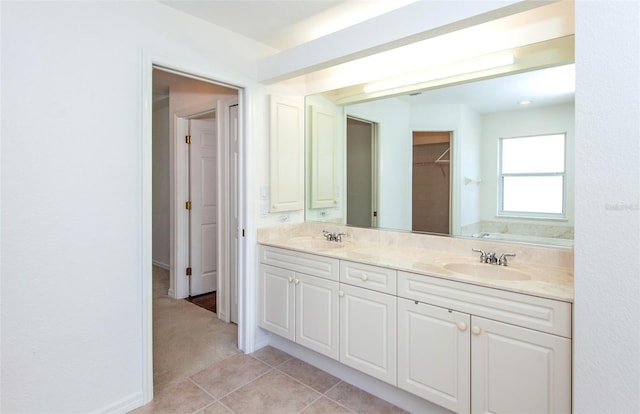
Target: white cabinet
{"points": [[324, 130], [276, 301], [518, 370], [298, 300], [368, 332], [468, 363], [434, 352], [467, 348], [286, 160], [317, 314]]}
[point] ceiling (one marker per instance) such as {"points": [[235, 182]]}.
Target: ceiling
{"points": [[285, 24], [549, 86]]}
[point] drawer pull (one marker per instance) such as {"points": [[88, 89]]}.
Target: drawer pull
{"points": [[341, 293], [476, 330], [462, 326], [364, 277]]}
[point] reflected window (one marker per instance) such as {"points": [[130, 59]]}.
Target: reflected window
{"points": [[532, 176]]}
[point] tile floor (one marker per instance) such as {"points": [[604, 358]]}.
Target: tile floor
{"points": [[199, 369], [267, 381]]}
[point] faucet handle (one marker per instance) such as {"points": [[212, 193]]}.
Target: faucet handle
{"points": [[338, 236], [483, 255], [502, 261]]}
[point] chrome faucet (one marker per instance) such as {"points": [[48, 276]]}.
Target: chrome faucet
{"points": [[336, 237], [502, 261], [490, 257]]}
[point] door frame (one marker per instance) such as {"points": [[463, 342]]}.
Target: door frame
{"points": [[245, 337]]}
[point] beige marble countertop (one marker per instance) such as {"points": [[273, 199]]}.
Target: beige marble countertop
{"points": [[553, 281]]}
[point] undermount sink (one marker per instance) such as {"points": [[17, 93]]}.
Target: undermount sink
{"points": [[487, 271], [309, 243]]}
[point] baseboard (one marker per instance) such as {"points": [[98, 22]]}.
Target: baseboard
{"points": [[380, 389], [161, 265], [124, 405]]}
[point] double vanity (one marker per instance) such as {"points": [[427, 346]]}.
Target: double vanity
{"points": [[423, 314]]}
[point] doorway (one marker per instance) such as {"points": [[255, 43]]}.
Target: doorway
{"points": [[361, 173], [188, 111], [431, 182]]}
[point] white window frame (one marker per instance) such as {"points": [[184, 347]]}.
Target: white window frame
{"points": [[502, 175]]}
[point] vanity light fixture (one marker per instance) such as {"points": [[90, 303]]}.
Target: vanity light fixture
{"points": [[441, 72], [524, 102]]}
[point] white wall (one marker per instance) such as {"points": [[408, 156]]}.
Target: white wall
{"points": [[72, 191], [521, 123], [607, 240]]}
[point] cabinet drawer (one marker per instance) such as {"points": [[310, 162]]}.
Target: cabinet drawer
{"points": [[532, 312], [369, 277], [310, 264]]}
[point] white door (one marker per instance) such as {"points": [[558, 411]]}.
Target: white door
{"points": [[203, 226], [434, 347], [368, 332], [234, 210], [518, 370], [317, 310]]}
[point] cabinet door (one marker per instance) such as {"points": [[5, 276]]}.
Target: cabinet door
{"points": [[317, 309], [276, 300], [286, 162], [518, 370], [368, 332], [434, 349]]}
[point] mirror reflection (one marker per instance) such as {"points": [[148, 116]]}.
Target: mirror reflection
{"points": [[430, 161]]}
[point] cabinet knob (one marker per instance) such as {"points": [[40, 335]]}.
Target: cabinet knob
{"points": [[364, 277], [290, 279], [297, 281], [462, 326], [341, 293], [476, 330]]}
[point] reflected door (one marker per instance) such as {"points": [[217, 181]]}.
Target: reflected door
{"points": [[360, 173], [431, 182]]}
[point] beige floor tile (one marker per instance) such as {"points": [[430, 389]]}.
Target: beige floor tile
{"points": [[271, 356], [309, 375], [177, 398], [225, 376], [215, 408], [361, 401], [272, 393], [326, 406]]}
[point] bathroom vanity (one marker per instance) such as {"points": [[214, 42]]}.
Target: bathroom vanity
{"points": [[424, 315]]}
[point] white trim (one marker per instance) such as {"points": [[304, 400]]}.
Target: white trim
{"points": [[146, 231], [123, 405]]}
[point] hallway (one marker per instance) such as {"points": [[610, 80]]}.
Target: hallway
{"points": [[198, 369]]}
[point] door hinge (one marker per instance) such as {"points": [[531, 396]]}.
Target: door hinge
{"points": [[188, 271], [242, 232], [187, 139], [375, 214], [188, 205]]}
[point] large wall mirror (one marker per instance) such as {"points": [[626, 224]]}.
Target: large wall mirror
{"points": [[442, 160]]}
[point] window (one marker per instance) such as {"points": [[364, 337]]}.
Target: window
{"points": [[532, 176]]}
